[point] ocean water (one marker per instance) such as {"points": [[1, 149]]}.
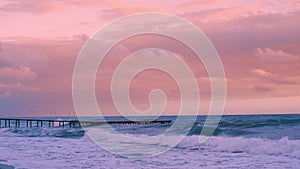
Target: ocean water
{"points": [[248, 141]]}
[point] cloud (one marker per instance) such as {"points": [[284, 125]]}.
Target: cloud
{"points": [[268, 54], [81, 37], [16, 74], [270, 77], [15, 55], [247, 27], [4, 94], [38, 64], [262, 73], [32, 6], [42, 7], [16, 81], [263, 88]]}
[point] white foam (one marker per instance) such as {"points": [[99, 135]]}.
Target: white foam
{"points": [[283, 146], [261, 146], [217, 152]]}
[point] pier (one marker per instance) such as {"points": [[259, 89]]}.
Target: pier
{"points": [[23, 122]]}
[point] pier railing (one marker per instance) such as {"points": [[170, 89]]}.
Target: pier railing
{"points": [[24, 122]]}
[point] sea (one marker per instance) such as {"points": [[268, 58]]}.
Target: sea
{"points": [[239, 141]]}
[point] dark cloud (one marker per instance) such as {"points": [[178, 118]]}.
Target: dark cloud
{"points": [[262, 88]]}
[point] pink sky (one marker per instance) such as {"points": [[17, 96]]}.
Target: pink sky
{"points": [[258, 43]]}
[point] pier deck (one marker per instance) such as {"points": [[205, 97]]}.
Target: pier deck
{"points": [[24, 122]]}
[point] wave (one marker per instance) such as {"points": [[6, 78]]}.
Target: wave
{"points": [[255, 146], [271, 128], [282, 147], [197, 128], [43, 132], [239, 144], [238, 123]]}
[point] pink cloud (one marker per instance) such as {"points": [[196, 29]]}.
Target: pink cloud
{"points": [[271, 105], [39, 7], [270, 77], [263, 73], [19, 74], [268, 54], [15, 55], [81, 37]]}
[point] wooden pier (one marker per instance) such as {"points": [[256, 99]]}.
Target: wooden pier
{"points": [[22, 122]]}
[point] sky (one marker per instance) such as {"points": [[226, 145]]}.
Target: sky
{"points": [[258, 43]]}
